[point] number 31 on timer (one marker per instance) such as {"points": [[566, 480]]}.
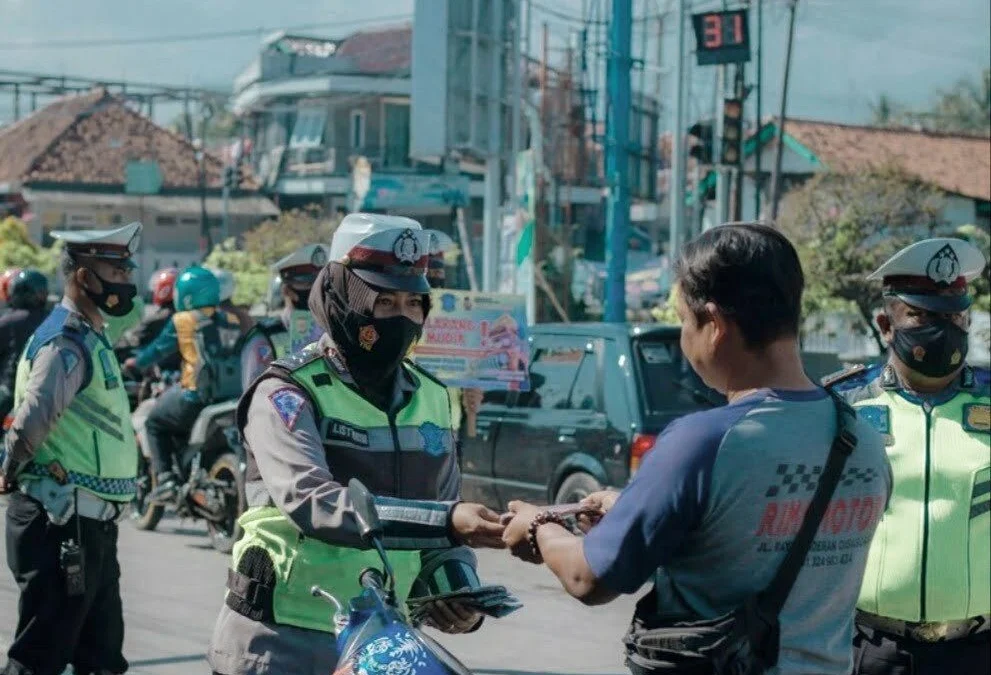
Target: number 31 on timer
{"points": [[722, 30]]}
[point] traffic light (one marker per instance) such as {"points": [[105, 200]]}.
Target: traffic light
{"points": [[702, 149], [732, 150]]}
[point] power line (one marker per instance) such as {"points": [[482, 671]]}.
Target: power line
{"points": [[196, 37]]}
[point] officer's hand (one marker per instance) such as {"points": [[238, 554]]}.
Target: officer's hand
{"points": [[6, 485], [452, 617], [517, 534], [476, 526], [471, 400], [603, 500]]}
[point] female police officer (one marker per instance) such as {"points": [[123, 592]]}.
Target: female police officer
{"points": [[347, 406]]}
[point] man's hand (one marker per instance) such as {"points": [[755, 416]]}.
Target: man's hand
{"points": [[517, 531], [603, 500], [471, 400], [131, 363], [452, 617], [477, 526], [7, 485]]}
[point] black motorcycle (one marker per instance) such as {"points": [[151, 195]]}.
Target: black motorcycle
{"points": [[210, 470]]}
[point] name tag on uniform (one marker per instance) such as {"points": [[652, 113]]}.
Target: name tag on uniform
{"points": [[977, 417]]}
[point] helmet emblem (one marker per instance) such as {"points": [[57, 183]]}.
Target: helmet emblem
{"points": [[319, 257], [944, 266], [407, 248]]}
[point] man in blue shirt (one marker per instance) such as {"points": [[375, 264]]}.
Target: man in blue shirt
{"points": [[714, 507]]}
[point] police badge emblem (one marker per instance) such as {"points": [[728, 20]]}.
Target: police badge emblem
{"points": [[944, 266], [319, 257], [367, 337], [407, 248]]}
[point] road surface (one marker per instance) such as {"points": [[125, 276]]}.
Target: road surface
{"points": [[173, 585]]}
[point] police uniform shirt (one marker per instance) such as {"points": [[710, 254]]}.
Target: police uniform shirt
{"points": [[57, 375], [257, 354]]}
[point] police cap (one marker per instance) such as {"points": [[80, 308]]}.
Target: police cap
{"points": [[932, 274], [118, 245]]}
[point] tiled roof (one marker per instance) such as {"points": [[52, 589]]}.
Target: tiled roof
{"points": [[88, 140], [955, 163], [380, 52]]}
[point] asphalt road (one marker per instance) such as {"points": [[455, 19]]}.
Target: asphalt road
{"points": [[173, 587]]}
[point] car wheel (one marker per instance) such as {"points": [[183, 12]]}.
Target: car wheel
{"points": [[576, 487]]}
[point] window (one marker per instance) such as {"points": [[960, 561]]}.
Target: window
{"points": [[563, 376], [357, 129], [309, 128], [668, 380], [78, 221], [396, 132], [165, 220], [190, 221]]}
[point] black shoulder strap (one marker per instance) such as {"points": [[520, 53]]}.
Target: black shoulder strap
{"points": [[773, 598]]}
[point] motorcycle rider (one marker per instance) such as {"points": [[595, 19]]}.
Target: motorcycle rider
{"points": [[197, 321], [27, 297], [5, 279], [925, 604], [71, 449], [161, 286], [268, 339], [386, 422]]}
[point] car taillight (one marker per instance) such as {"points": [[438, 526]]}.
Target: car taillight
{"points": [[642, 444]]}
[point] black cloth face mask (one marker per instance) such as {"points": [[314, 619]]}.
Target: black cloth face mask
{"points": [[374, 348], [115, 299], [935, 350]]}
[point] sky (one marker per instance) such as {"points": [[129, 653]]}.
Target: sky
{"points": [[846, 52]]}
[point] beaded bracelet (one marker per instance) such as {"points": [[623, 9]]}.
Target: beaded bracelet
{"points": [[542, 518]]}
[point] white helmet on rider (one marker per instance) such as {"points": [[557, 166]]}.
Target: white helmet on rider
{"points": [[227, 283]]}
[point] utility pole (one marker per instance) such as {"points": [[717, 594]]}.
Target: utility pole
{"points": [[493, 162], [617, 160], [739, 92], [655, 229], [515, 129], [776, 180], [758, 179], [676, 189], [722, 182]]}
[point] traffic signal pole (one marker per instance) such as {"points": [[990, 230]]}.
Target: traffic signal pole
{"points": [[676, 188], [617, 159]]}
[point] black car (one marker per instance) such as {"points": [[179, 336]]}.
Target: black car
{"points": [[599, 396]]}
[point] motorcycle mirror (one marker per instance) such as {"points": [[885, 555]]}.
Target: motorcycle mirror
{"points": [[364, 508]]}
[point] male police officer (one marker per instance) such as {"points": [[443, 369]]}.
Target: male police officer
{"points": [[347, 406], [925, 606], [28, 296], [71, 449], [268, 339]]}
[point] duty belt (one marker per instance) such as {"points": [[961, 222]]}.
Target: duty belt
{"points": [[927, 631], [61, 504]]}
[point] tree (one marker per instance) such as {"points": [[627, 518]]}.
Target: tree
{"points": [[845, 226], [964, 108], [264, 245], [17, 249], [981, 286]]}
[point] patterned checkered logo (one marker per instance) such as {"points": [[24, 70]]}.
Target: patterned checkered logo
{"points": [[120, 487], [803, 479]]}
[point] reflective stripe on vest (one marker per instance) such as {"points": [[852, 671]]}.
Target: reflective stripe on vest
{"points": [[93, 440], [930, 559], [280, 343], [360, 437]]}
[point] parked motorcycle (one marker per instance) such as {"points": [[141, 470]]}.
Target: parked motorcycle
{"points": [[211, 469], [374, 637]]}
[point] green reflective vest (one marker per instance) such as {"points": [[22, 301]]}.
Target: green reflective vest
{"points": [[93, 441], [355, 429], [931, 555]]}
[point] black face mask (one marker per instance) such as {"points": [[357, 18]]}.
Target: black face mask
{"points": [[934, 350], [115, 299], [301, 301], [376, 347]]}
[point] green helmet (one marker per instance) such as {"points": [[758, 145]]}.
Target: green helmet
{"points": [[28, 289], [195, 288]]}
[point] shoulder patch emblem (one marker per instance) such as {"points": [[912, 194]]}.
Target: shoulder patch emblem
{"points": [[878, 416], [69, 360], [977, 417], [288, 403], [433, 439]]}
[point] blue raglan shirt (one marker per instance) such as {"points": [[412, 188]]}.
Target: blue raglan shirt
{"points": [[714, 505]]}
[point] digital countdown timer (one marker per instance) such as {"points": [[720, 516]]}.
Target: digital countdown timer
{"points": [[722, 37]]}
